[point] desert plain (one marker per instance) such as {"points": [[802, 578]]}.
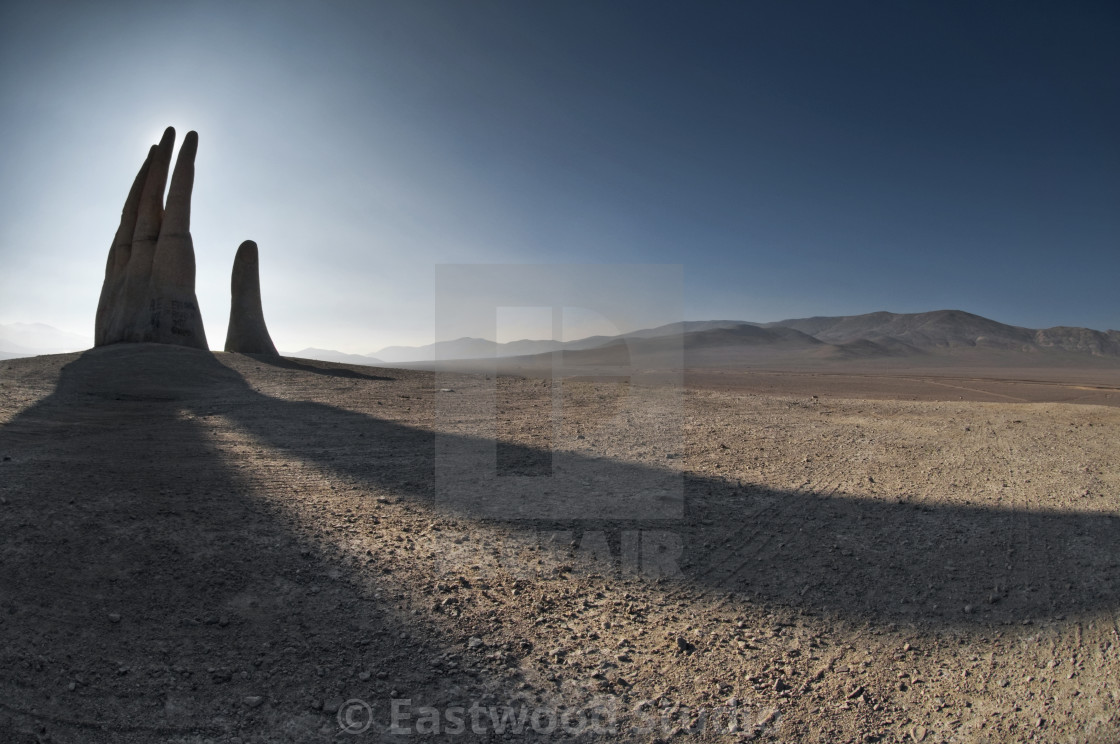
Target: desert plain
{"points": [[205, 547]]}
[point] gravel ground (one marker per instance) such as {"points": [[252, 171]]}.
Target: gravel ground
{"points": [[201, 547]]}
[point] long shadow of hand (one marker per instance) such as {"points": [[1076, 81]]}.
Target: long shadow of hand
{"points": [[868, 560], [316, 368], [153, 591]]}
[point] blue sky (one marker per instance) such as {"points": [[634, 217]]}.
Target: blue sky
{"points": [[796, 158]]}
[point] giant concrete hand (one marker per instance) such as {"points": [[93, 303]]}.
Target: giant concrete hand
{"points": [[148, 294]]}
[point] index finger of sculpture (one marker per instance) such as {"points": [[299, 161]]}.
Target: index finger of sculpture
{"points": [[177, 216], [173, 263]]}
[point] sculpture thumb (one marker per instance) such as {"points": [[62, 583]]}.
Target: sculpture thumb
{"points": [[247, 333]]}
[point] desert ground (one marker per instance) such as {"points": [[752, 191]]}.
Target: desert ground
{"points": [[218, 547]]}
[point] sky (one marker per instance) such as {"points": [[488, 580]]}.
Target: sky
{"points": [[791, 158]]}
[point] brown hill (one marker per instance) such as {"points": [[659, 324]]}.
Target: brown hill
{"points": [[938, 339], [949, 330]]}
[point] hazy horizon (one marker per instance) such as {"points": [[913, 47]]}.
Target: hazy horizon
{"points": [[55, 339]]}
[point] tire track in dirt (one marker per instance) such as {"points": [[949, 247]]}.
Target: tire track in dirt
{"points": [[1029, 571], [977, 390], [740, 542], [769, 534]]}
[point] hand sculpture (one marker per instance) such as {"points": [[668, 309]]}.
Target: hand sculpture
{"points": [[148, 293], [247, 332]]}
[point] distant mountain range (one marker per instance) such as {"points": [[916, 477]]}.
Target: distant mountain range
{"points": [[939, 334], [329, 355], [946, 330]]}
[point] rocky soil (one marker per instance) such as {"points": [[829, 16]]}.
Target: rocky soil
{"points": [[200, 547]]}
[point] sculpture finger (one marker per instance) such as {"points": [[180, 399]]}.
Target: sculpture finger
{"points": [[170, 314], [150, 212], [119, 253], [122, 242], [247, 332], [173, 263], [134, 296], [177, 216]]}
